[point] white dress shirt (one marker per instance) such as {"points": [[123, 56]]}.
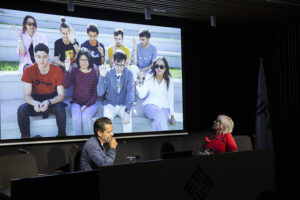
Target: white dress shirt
{"points": [[158, 94]]}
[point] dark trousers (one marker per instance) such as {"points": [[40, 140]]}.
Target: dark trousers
{"points": [[26, 110]]}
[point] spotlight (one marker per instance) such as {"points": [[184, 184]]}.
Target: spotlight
{"points": [[213, 21], [147, 14], [71, 5]]}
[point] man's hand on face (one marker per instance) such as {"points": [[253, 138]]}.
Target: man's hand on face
{"points": [[113, 143]]}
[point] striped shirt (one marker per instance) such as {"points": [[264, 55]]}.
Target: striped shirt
{"points": [[84, 86]]}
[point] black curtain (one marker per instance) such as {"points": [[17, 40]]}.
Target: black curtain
{"points": [[282, 72]]}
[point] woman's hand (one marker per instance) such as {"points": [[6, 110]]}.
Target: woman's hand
{"points": [[209, 152], [83, 108], [172, 120], [17, 30]]}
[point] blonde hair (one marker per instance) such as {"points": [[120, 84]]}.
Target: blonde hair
{"points": [[226, 124]]}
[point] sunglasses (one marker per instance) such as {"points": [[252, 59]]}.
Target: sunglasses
{"points": [[30, 23], [156, 66]]}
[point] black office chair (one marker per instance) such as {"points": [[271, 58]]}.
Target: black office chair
{"points": [[14, 166], [243, 142], [74, 161]]}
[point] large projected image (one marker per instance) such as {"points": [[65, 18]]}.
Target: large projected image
{"points": [[58, 74]]}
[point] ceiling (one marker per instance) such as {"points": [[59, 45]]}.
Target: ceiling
{"points": [[231, 12]]}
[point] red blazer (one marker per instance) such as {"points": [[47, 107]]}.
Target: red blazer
{"points": [[220, 143]]}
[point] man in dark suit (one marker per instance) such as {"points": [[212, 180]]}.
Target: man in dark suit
{"points": [[93, 154]]}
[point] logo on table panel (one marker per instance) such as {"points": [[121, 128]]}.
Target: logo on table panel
{"points": [[199, 185]]}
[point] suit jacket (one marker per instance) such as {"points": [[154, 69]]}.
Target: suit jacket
{"points": [[93, 155]]}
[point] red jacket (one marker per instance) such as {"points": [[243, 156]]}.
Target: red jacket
{"points": [[220, 143]]}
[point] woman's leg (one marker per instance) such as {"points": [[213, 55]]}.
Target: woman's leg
{"points": [[87, 123], [159, 116], [76, 119]]}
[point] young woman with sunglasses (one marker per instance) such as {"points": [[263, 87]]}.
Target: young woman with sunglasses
{"points": [[28, 38], [159, 89]]}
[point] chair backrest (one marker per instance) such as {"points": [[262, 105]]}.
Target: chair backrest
{"points": [[21, 165], [243, 142], [75, 161]]}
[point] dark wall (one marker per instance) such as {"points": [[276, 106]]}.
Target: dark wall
{"points": [[222, 75]]}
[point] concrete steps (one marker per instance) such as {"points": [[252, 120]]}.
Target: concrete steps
{"points": [[47, 127], [169, 48], [11, 97], [11, 86], [8, 16]]}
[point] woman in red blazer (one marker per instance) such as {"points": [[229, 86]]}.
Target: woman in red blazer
{"points": [[221, 141]]}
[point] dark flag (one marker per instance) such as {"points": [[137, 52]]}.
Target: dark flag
{"points": [[263, 128]]}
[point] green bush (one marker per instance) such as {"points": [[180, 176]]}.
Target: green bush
{"points": [[8, 66], [176, 73], [13, 66]]}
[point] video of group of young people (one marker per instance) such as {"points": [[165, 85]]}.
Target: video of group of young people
{"points": [[74, 70]]}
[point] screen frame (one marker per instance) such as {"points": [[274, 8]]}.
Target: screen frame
{"points": [[110, 15]]}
